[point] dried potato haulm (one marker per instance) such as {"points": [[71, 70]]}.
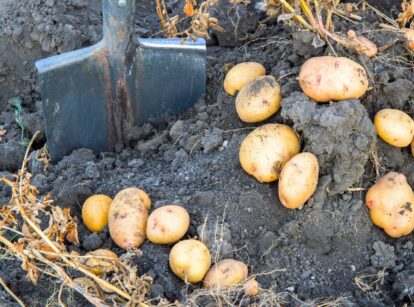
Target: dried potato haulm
{"points": [[128, 215], [190, 260], [226, 273], [241, 75], [395, 127], [264, 152], [95, 212], [167, 224], [298, 180], [329, 78], [391, 205], [258, 100]]}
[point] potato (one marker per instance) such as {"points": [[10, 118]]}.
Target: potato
{"points": [[251, 288], [101, 261], [298, 180], [395, 127], [241, 75], [226, 273], [391, 202], [95, 212], [412, 148], [190, 260], [362, 45], [128, 215], [409, 37], [258, 100], [167, 224], [266, 149], [329, 78]]}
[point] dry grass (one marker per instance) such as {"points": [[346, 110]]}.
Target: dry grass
{"points": [[371, 283], [42, 251]]}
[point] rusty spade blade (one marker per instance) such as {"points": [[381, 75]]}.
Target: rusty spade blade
{"points": [[93, 96]]}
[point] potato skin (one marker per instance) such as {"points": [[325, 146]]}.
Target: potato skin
{"points": [[128, 217], [329, 78], [167, 224], [226, 273], [298, 180], [241, 75], [391, 202], [395, 127], [266, 149], [95, 212], [190, 260], [412, 148], [258, 100]]}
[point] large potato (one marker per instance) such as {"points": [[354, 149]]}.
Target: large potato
{"points": [[167, 224], [298, 180], [95, 212], [226, 273], [395, 127], [258, 100], [190, 260], [329, 78], [391, 202], [241, 75], [128, 215], [266, 149]]}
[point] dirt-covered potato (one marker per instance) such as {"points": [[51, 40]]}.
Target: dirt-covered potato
{"points": [[95, 212], [128, 215], [226, 273], [167, 224], [329, 78], [395, 127], [266, 149], [258, 100], [190, 260], [241, 75], [298, 180], [391, 205]]}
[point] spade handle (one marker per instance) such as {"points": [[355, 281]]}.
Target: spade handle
{"points": [[118, 23]]}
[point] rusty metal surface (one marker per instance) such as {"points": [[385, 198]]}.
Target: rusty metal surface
{"points": [[93, 96]]}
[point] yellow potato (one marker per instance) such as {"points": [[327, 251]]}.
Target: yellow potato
{"points": [[226, 273], [241, 75], [101, 261], [298, 180], [409, 37], [190, 260], [128, 215], [395, 127], [167, 224], [329, 78], [391, 202], [251, 288], [266, 149], [412, 148], [258, 100], [95, 212]]}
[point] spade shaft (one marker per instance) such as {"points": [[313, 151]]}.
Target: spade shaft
{"points": [[94, 96]]}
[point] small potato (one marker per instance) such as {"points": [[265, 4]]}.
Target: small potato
{"points": [[251, 288], [241, 75], [329, 78], [258, 100], [395, 127], [266, 149], [391, 202], [95, 212], [128, 215], [226, 273], [167, 224], [190, 260], [298, 180], [409, 37], [101, 261]]}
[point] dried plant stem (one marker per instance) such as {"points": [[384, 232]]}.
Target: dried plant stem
{"points": [[299, 18], [11, 293]]}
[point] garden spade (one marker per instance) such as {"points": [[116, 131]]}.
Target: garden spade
{"points": [[92, 97]]}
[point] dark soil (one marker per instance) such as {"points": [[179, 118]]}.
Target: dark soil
{"points": [[192, 160]]}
